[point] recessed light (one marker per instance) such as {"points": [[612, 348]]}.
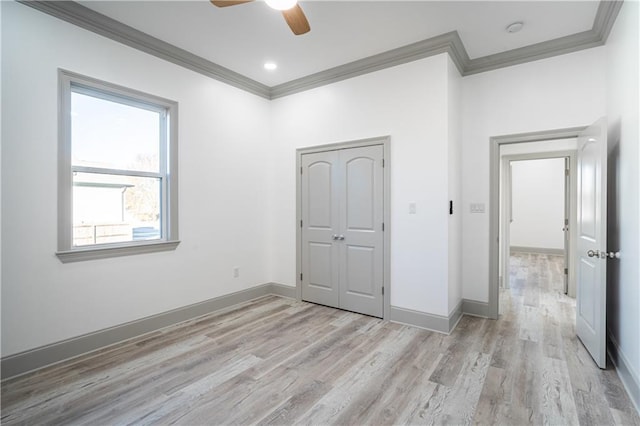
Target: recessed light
{"points": [[515, 27], [270, 66]]}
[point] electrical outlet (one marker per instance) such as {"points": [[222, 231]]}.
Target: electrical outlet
{"points": [[236, 272]]}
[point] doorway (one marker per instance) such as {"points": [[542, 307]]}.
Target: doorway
{"points": [[525, 143], [342, 226], [588, 225], [537, 202]]}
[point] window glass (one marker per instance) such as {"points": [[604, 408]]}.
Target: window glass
{"points": [[113, 135]]}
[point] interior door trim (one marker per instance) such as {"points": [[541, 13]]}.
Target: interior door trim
{"points": [[385, 141]]}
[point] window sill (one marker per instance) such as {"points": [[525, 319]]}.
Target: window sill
{"points": [[105, 252]]}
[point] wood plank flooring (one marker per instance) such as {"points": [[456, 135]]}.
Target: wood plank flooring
{"points": [[278, 361]]}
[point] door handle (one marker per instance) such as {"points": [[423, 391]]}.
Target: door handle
{"points": [[336, 237], [604, 254], [340, 237]]}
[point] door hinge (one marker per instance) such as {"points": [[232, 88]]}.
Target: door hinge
{"points": [[566, 172], [566, 271], [382, 226], [566, 221], [383, 291], [383, 162], [301, 277], [300, 224], [300, 170]]}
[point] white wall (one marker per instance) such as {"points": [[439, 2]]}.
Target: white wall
{"points": [[455, 186], [409, 103], [538, 203], [560, 92], [623, 295], [224, 136]]}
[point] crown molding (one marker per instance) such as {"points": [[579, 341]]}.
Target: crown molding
{"points": [[98, 23], [450, 43], [606, 17], [534, 52]]}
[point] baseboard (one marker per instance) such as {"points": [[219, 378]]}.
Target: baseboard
{"points": [[33, 359], [538, 250], [283, 290], [455, 316], [628, 376], [439, 323], [475, 308]]}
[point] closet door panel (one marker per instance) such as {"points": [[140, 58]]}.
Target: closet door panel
{"points": [[361, 216], [320, 224]]}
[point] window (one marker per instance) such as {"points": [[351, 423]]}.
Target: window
{"points": [[117, 171]]}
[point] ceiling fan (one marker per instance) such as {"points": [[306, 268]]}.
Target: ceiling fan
{"points": [[290, 9]]}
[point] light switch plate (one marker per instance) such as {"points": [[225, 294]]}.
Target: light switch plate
{"points": [[476, 208]]}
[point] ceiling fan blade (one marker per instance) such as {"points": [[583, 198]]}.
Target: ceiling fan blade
{"points": [[296, 20], [225, 3]]}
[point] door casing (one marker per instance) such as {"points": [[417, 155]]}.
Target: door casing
{"points": [[385, 142]]}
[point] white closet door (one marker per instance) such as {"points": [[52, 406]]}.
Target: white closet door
{"points": [[361, 217], [342, 236], [320, 226]]}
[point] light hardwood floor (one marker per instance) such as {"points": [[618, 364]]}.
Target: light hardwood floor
{"points": [[278, 361]]}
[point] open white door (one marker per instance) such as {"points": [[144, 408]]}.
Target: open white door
{"points": [[591, 297]]}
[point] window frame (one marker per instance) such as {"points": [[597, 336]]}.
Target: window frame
{"points": [[168, 175]]}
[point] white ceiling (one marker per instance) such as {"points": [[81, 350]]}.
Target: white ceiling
{"points": [[243, 37]]}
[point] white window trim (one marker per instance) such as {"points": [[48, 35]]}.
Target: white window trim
{"points": [[169, 205]]}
